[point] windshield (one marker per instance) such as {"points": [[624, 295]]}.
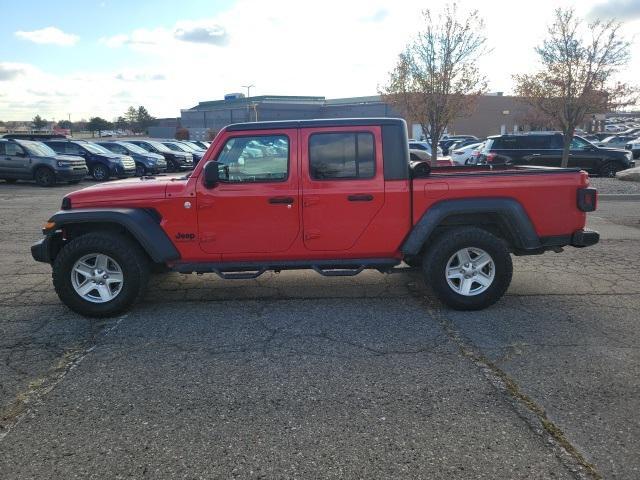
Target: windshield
{"points": [[161, 147], [95, 148], [176, 147], [192, 145], [133, 148], [38, 149]]}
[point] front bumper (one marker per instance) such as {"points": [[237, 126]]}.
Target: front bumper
{"points": [[584, 238], [40, 251], [71, 174], [118, 170]]}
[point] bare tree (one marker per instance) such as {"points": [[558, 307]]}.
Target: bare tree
{"points": [[436, 78], [576, 73]]}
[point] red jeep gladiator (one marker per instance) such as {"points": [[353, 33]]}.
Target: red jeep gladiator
{"points": [[336, 196]]}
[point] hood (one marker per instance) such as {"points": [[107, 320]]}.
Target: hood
{"points": [[73, 158], [136, 188], [614, 149]]}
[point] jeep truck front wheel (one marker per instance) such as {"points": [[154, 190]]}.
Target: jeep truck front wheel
{"points": [[468, 268], [100, 274]]}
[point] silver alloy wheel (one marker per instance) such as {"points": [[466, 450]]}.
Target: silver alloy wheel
{"points": [[97, 278], [470, 271]]}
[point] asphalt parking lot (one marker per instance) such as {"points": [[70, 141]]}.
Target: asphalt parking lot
{"points": [[299, 376]]}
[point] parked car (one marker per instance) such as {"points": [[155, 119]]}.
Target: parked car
{"points": [[446, 143], [193, 145], [416, 155], [178, 146], [31, 160], [342, 206], [634, 147], [201, 144], [463, 143], [463, 155], [102, 163], [147, 163], [424, 146], [545, 149], [176, 161], [615, 141]]}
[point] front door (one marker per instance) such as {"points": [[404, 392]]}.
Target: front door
{"points": [[342, 185], [15, 161], [255, 208]]}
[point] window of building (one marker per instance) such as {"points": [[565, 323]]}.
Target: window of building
{"points": [[341, 155], [255, 159]]}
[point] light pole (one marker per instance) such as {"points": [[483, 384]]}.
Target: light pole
{"points": [[248, 87]]}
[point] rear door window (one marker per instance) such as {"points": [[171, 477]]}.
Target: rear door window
{"points": [[341, 156]]}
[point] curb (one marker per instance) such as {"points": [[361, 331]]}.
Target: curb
{"points": [[628, 197]]}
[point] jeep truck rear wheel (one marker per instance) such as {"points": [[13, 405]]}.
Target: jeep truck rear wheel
{"points": [[100, 274], [468, 268]]}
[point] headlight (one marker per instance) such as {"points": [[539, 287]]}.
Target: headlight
{"points": [[64, 163], [152, 160]]}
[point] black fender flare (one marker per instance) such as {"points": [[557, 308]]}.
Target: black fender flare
{"points": [[512, 214], [140, 223]]}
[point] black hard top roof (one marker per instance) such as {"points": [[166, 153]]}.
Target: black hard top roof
{"points": [[323, 122]]}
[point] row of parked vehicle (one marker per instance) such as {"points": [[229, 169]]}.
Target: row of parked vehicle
{"points": [[599, 154], [50, 160]]}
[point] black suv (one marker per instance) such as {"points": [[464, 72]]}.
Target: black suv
{"points": [[545, 149], [102, 163]]}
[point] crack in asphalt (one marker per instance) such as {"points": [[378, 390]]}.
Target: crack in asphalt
{"points": [[15, 411], [533, 414]]}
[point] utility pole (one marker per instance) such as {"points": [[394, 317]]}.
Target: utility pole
{"points": [[248, 87]]}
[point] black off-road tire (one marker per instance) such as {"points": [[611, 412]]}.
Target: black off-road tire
{"points": [[445, 246], [100, 173], [132, 260], [44, 177]]}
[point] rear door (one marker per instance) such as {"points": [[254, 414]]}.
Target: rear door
{"points": [[255, 208], [342, 185]]}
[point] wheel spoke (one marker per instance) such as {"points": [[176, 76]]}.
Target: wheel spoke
{"points": [[454, 272], [465, 286], [102, 262], [463, 256], [84, 270], [482, 260], [104, 292], [85, 288], [483, 279], [114, 277]]}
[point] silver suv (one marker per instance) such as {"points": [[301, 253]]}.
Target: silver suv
{"points": [[31, 160]]}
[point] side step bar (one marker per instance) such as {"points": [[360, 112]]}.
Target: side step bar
{"points": [[327, 268]]}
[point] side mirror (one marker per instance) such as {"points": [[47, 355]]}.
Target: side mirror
{"points": [[211, 174], [20, 153]]}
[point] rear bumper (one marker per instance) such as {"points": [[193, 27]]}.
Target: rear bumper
{"points": [[584, 238]]}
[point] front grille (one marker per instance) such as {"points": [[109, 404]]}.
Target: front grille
{"points": [[128, 163]]}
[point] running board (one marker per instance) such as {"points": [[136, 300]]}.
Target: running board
{"points": [[327, 268]]}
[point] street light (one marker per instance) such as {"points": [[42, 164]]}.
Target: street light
{"points": [[248, 87]]}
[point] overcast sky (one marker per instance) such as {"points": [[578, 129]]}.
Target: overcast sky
{"points": [[88, 57]]}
